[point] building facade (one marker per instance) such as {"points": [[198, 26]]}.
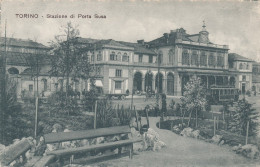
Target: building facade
{"points": [[122, 67]]}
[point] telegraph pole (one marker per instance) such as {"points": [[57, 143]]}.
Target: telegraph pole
{"points": [[158, 82], [3, 90]]}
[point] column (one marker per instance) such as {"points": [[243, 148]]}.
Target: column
{"points": [[177, 84], [143, 85]]}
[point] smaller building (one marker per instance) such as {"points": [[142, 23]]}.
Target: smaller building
{"points": [[256, 77], [241, 67]]}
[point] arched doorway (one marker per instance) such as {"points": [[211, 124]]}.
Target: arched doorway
{"points": [[138, 81], [13, 70], [148, 81], [170, 84], [160, 82], [185, 80], [232, 81]]}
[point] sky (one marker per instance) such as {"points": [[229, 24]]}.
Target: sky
{"points": [[232, 23]]}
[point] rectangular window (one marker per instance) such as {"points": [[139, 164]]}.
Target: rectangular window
{"points": [[243, 78], [150, 59], [118, 73], [30, 88], [118, 84], [140, 58], [113, 56]]}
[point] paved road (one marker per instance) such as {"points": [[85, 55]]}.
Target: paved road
{"points": [[140, 102], [183, 151]]}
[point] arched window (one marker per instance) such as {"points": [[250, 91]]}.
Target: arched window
{"points": [[112, 56], [99, 56], [44, 82], [194, 58], [13, 70], [240, 66], [171, 54], [118, 56], [203, 59], [125, 57], [160, 57], [185, 57], [92, 57], [212, 60], [220, 60]]}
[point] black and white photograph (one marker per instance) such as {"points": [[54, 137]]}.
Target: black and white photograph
{"points": [[129, 83]]}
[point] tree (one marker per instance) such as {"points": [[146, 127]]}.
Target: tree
{"points": [[15, 121], [194, 97], [69, 61], [244, 113]]}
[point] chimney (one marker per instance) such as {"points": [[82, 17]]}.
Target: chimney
{"points": [[166, 36], [140, 42]]}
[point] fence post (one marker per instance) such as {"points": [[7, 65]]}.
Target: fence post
{"points": [[214, 125], [36, 116], [247, 129], [95, 116], [147, 118], [217, 122], [136, 117]]}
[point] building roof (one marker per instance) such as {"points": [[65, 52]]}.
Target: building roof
{"points": [[138, 48], [22, 43], [16, 58], [86, 40], [256, 63], [237, 57]]}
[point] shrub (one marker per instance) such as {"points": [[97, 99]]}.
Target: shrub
{"points": [[244, 113], [107, 116], [61, 104]]}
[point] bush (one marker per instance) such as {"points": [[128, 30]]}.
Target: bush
{"points": [[107, 116], [61, 104]]}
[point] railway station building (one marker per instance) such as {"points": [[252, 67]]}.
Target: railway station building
{"points": [[122, 66]]}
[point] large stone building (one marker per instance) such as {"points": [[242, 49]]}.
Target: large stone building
{"points": [[122, 66]]}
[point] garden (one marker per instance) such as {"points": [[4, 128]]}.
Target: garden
{"points": [[233, 124]]}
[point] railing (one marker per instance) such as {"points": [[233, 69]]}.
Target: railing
{"points": [[203, 44]]}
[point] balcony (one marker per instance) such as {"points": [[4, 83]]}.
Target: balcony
{"points": [[203, 44]]}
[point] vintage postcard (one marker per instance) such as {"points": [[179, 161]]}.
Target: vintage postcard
{"points": [[129, 83]]}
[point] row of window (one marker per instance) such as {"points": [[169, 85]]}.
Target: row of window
{"points": [[202, 60], [243, 66], [119, 57]]}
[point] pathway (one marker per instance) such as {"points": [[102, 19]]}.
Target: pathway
{"points": [[182, 151]]}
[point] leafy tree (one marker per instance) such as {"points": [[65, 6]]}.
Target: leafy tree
{"points": [[194, 97], [244, 113], [69, 59], [16, 123]]}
